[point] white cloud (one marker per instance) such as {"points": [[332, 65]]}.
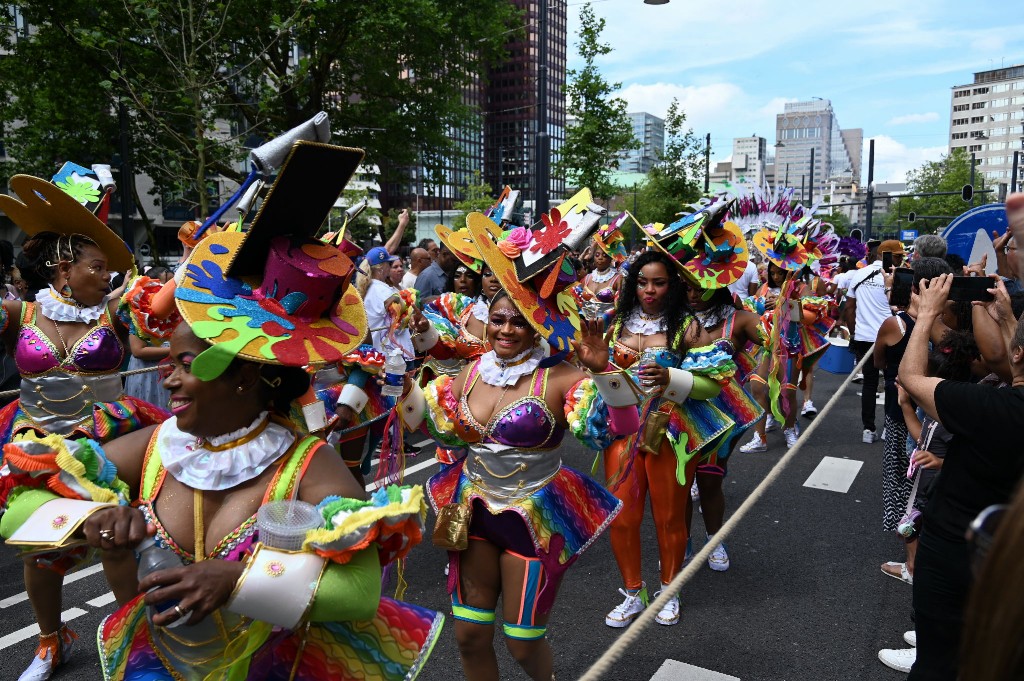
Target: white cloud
{"points": [[893, 159], [914, 118]]}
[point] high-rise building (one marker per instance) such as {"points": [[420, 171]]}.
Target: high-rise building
{"points": [[987, 120], [649, 130], [510, 121], [804, 126], [749, 158]]}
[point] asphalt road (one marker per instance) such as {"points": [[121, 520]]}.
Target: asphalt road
{"points": [[803, 600]]}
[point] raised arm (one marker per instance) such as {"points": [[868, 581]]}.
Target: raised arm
{"points": [[914, 365]]}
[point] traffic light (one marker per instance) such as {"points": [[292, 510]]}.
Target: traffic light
{"points": [[967, 193], [911, 216]]}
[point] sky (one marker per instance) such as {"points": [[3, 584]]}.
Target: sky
{"points": [[887, 67]]}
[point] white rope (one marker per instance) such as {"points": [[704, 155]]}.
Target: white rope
{"points": [[629, 637]]}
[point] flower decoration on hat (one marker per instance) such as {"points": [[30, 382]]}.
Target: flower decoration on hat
{"points": [[710, 251], [533, 267]]}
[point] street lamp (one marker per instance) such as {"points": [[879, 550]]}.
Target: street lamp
{"points": [[655, 2]]}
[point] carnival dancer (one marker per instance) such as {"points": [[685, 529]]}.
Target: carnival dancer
{"points": [[679, 424], [511, 515], [205, 479], [795, 322], [69, 346]]}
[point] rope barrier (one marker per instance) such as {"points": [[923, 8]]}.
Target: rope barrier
{"points": [[614, 652]]}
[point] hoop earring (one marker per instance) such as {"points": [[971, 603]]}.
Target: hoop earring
{"points": [[66, 291]]}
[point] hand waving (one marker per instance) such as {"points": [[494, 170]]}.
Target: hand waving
{"points": [[592, 348]]}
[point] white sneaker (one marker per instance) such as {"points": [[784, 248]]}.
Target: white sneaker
{"points": [[869, 437], [53, 652], [910, 637], [628, 610], [771, 424], [669, 614], [792, 435], [719, 559], [900, 660], [694, 492], [809, 410], [755, 445], [859, 378]]}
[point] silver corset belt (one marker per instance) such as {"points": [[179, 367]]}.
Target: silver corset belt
{"points": [[504, 475], [59, 401]]}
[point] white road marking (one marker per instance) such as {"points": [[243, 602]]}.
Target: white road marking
{"points": [[671, 670], [834, 475], [73, 577], [20, 635], [408, 471], [102, 601]]}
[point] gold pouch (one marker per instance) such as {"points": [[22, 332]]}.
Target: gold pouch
{"points": [[451, 532], [654, 432]]}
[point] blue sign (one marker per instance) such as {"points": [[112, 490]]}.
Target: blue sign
{"points": [[970, 234], [908, 234]]}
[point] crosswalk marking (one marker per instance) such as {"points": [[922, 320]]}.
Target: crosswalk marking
{"points": [[102, 601], [834, 475], [33, 629], [671, 670], [73, 577]]}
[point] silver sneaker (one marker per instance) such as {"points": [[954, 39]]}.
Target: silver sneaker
{"points": [[669, 614], [869, 437], [629, 609], [755, 445], [771, 424], [53, 652], [792, 435], [719, 559], [809, 410]]}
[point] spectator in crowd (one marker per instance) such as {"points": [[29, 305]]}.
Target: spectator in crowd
{"points": [[396, 273], [19, 284], [379, 290], [1015, 217], [982, 467], [430, 246], [748, 282], [929, 246], [433, 281], [867, 307], [419, 260], [956, 263]]}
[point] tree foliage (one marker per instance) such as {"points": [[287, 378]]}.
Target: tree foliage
{"points": [[201, 79], [602, 128], [476, 198], [676, 180], [949, 174]]}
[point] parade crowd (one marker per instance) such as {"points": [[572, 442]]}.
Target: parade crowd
{"points": [[221, 482]]}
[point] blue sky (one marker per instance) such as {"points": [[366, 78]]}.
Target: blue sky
{"points": [[888, 67]]}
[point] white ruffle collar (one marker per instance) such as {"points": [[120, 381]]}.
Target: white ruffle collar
{"points": [[500, 373], [191, 463], [599, 277], [480, 310], [56, 307], [641, 324]]}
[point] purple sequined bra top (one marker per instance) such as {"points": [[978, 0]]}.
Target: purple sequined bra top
{"points": [[525, 423], [98, 351]]}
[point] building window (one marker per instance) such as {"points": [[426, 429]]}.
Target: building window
{"points": [[959, 135], [974, 147], [961, 107], [961, 93], [980, 91], [978, 105], [959, 121], [977, 119]]}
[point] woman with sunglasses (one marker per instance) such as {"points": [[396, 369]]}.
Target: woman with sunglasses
{"points": [[69, 346]]}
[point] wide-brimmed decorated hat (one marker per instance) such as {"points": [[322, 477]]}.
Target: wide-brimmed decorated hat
{"points": [[506, 208], [610, 239], [276, 294], [710, 250], [66, 207], [533, 267], [461, 244]]}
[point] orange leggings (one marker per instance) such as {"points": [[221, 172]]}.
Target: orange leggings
{"points": [[657, 473]]}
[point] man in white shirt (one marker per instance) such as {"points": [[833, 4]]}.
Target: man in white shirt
{"points": [[419, 260], [748, 282], [379, 291], [866, 308]]}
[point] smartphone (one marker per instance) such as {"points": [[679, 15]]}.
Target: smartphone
{"points": [[886, 262], [902, 283], [971, 288]]}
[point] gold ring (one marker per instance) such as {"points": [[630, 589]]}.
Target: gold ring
{"points": [[108, 535], [178, 610]]}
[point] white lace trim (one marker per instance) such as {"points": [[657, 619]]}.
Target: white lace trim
{"points": [[185, 457], [480, 310], [501, 373], [599, 277], [641, 324], [56, 307]]}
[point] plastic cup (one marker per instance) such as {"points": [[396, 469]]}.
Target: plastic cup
{"points": [[283, 524]]}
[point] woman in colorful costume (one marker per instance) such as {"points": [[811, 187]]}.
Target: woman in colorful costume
{"points": [[251, 611], [795, 322], [69, 346], [512, 517], [680, 424]]}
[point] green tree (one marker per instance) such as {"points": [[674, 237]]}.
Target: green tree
{"points": [[477, 196], [676, 180], [602, 128], [949, 174]]}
